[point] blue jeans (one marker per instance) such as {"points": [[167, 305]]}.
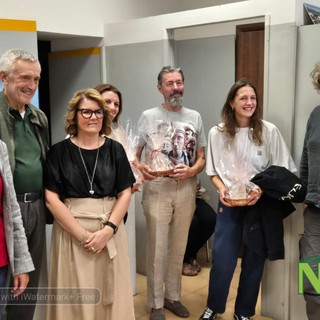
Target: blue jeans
{"points": [[226, 247], [3, 289]]}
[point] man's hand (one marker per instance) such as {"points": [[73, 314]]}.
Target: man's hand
{"points": [[143, 168], [181, 172], [146, 172], [20, 282], [136, 187]]}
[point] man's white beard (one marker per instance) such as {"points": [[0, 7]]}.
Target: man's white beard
{"points": [[175, 101]]}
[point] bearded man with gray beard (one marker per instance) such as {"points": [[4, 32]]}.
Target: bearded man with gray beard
{"points": [[169, 201]]}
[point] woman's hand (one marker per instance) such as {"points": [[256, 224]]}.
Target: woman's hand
{"points": [[223, 194], [98, 240], [221, 189], [254, 195]]}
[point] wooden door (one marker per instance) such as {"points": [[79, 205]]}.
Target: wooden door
{"points": [[250, 55]]}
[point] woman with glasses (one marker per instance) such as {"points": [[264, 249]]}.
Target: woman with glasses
{"points": [[88, 183]]}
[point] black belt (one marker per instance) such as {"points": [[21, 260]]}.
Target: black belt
{"points": [[29, 196]]}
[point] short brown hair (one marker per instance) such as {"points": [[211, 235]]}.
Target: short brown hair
{"points": [[71, 125], [169, 69]]}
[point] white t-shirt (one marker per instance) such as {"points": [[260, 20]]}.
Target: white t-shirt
{"points": [[243, 158], [160, 125]]}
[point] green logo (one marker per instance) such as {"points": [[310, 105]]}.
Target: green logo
{"points": [[306, 271]]}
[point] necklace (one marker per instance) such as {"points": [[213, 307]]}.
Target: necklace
{"points": [[91, 191]]}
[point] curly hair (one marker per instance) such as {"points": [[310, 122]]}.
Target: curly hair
{"points": [[315, 75], [71, 125], [228, 115]]}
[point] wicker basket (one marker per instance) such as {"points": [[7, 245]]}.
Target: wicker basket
{"points": [[238, 202], [243, 202]]}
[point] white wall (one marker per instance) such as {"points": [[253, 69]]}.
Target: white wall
{"points": [[64, 21], [128, 9], [59, 16], [117, 33], [87, 18]]}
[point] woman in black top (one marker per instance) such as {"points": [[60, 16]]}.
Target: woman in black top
{"points": [[88, 183]]}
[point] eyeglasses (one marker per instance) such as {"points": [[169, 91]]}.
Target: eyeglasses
{"points": [[87, 113]]}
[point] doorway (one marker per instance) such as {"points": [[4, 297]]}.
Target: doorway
{"points": [[250, 55], [44, 48]]}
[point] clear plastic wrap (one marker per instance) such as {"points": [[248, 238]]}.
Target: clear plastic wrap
{"points": [[129, 139], [241, 194], [130, 146], [159, 162], [235, 165]]}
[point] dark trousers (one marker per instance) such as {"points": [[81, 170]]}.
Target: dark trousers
{"points": [[34, 222], [201, 229], [227, 244], [309, 249]]}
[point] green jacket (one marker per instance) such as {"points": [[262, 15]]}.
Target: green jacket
{"points": [[37, 118]]}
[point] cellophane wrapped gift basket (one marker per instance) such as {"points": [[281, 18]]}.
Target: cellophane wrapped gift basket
{"points": [[128, 137], [131, 149], [158, 162], [235, 164]]}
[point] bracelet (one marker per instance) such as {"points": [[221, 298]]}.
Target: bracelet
{"points": [[84, 238], [111, 225]]}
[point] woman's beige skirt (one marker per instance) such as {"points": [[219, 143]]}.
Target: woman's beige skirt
{"points": [[87, 286]]}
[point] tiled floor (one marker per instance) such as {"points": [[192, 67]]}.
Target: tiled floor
{"points": [[194, 295]]}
